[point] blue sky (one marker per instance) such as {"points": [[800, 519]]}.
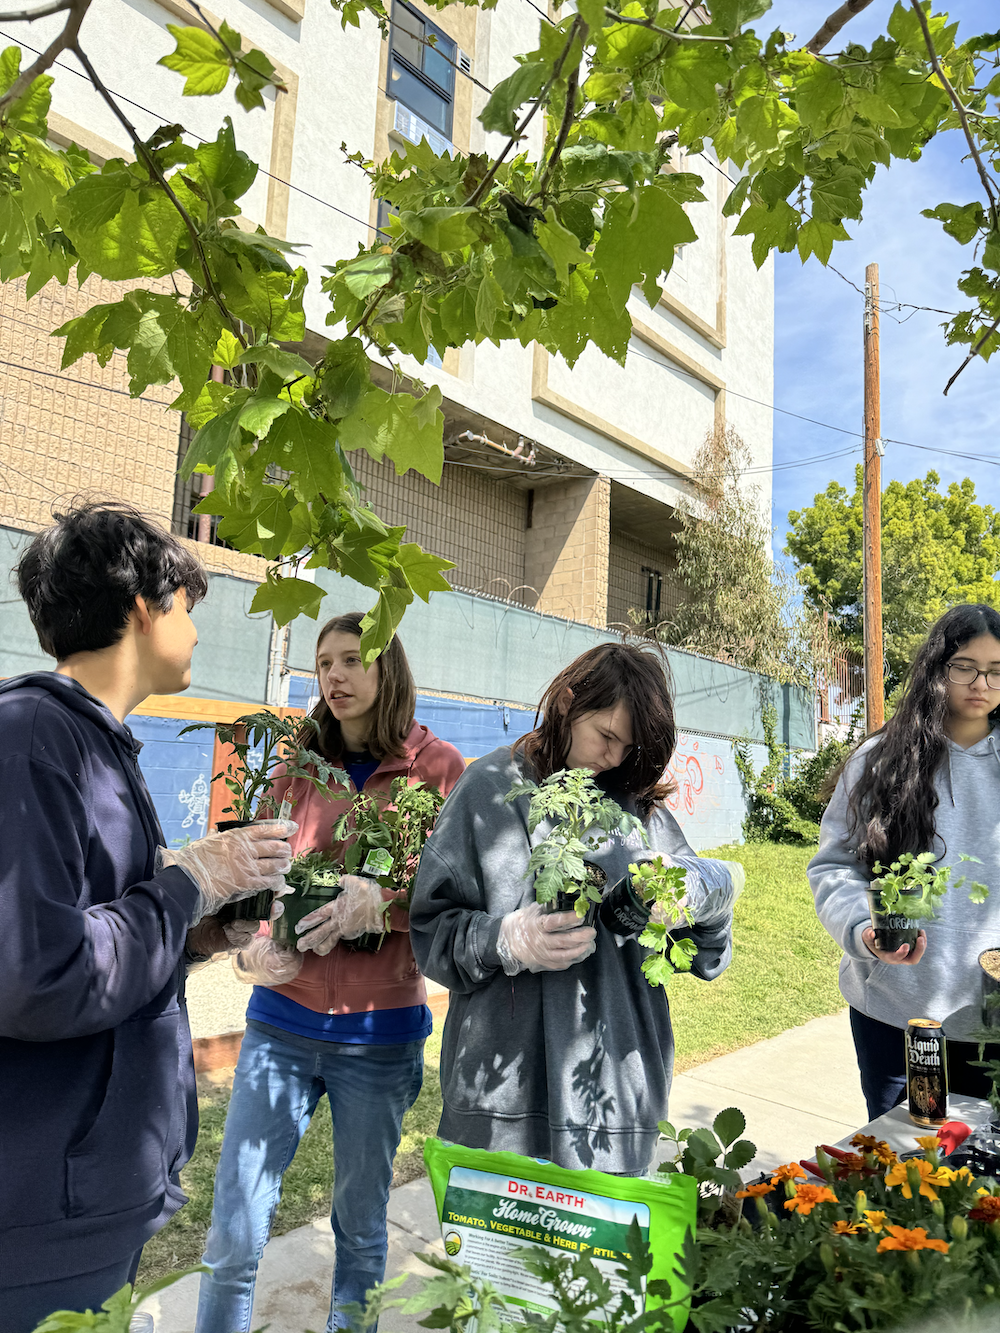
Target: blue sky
{"points": [[818, 317]]}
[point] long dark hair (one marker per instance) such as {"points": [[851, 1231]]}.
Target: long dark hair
{"points": [[395, 701], [600, 678], [892, 805]]}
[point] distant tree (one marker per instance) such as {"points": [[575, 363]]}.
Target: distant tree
{"points": [[938, 549], [738, 605]]}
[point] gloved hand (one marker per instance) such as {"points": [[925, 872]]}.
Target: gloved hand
{"points": [[712, 889], [357, 909], [533, 940], [236, 864], [266, 963]]}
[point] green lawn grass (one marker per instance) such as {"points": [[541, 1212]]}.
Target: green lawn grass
{"points": [[784, 972]]}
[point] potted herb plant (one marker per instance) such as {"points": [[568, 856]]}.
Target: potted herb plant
{"points": [[989, 966], [908, 892], [387, 832], [260, 742], [626, 910], [315, 880], [582, 818]]}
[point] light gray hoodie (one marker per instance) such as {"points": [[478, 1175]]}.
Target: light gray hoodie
{"points": [[572, 1066], [945, 983]]}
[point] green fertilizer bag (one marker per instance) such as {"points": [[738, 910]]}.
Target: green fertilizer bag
{"points": [[490, 1204]]}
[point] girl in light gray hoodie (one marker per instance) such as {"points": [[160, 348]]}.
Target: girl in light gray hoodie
{"points": [[555, 1045], [929, 780]]}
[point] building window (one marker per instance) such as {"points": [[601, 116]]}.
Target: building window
{"points": [[421, 75], [654, 592]]}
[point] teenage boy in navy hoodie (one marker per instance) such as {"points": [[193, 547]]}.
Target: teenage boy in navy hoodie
{"points": [[97, 920]]}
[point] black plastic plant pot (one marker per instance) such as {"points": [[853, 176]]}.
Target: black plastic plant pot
{"points": [[623, 911], [369, 943], [256, 908], [989, 967], [296, 906], [566, 902], [892, 929]]}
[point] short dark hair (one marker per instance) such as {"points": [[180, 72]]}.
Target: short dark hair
{"points": [[80, 577]]}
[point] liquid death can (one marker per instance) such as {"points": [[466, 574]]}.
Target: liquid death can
{"points": [[926, 1071]]}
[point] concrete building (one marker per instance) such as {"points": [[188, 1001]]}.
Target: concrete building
{"points": [[559, 486]]}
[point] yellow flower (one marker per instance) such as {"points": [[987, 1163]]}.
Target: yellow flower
{"points": [[755, 1191], [929, 1177], [874, 1220], [846, 1228], [948, 1176], [901, 1239], [929, 1142], [877, 1147], [807, 1197], [790, 1172]]}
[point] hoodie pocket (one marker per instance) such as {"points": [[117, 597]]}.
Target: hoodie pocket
{"points": [[120, 1163]]}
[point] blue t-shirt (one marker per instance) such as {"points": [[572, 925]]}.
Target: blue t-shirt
{"points": [[360, 767], [374, 1027]]}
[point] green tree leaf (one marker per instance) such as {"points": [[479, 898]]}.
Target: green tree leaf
{"points": [[200, 58], [511, 93], [287, 598]]}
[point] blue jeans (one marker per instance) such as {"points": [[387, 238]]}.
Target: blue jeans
{"points": [[279, 1080]]}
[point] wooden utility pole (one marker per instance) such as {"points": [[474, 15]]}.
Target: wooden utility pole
{"points": [[872, 521]]}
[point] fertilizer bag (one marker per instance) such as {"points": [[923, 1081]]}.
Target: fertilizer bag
{"points": [[490, 1204]]}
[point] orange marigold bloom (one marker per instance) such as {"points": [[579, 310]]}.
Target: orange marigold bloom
{"points": [[866, 1142], [845, 1228], [874, 1220], [929, 1177], [790, 1172], [808, 1196], [755, 1191], [986, 1210], [929, 1142], [917, 1239]]}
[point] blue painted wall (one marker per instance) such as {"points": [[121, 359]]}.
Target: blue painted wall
{"points": [[178, 771]]}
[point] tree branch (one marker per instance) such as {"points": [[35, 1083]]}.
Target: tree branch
{"points": [[29, 15], [837, 20], [155, 170], [671, 32], [567, 122], [975, 352], [956, 101], [66, 41], [518, 134]]}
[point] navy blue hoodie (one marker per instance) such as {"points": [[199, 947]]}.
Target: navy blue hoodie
{"points": [[97, 1104]]}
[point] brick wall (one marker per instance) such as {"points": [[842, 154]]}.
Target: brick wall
{"points": [[627, 583], [566, 554], [473, 519]]}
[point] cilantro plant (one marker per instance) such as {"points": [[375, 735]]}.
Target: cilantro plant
{"points": [[662, 886], [913, 886], [582, 819], [261, 741]]}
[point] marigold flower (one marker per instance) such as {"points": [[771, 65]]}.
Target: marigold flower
{"points": [[790, 1172], [755, 1191], [851, 1165], [877, 1147], [929, 1177], [808, 1196], [929, 1142], [917, 1239], [845, 1228], [874, 1220], [986, 1210], [948, 1176]]}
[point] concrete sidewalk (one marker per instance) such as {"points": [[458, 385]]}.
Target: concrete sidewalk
{"points": [[796, 1090]]}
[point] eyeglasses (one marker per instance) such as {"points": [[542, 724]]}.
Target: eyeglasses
{"points": [[968, 675]]}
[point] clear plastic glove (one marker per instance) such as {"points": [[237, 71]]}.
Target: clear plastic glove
{"points": [[357, 909], [533, 940], [264, 962], [239, 933], [233, 865], [712, 890]]}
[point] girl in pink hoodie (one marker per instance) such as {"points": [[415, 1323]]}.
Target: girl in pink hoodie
{"points": [[325, 1017]]}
